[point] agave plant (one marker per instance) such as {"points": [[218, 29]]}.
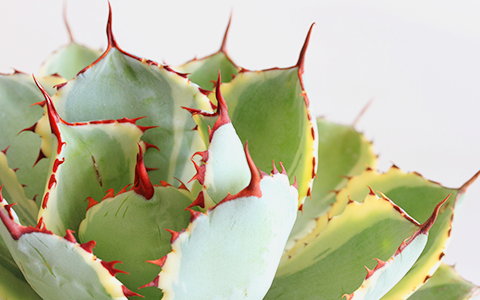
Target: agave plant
{"points": [[143, 185]]}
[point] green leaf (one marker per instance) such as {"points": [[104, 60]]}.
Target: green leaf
{"points": [[52, 264], [271, 110], [204, 71], [131, 229], [342, 152], [122, 85], [417, 196], [332, 263], [69, 60], [267, 109], [445, 284], [224, 170], [17, 95], [386, 274], [87, 160], [90, 159], [235, 247]]}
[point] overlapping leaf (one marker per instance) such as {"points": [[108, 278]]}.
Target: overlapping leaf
{"points": [[332, 264], [416, 196], [131, 229], [21, 177], [271, 110], [87, 160], [52, 264], [121, 85], [236, 246], [342, 152]]}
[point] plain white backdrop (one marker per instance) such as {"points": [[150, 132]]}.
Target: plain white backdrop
{"points": [[418, 59]]}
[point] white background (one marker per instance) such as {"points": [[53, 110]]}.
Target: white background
{"points": [[418, 59]]}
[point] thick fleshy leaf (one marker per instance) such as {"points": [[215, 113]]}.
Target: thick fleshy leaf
{"points": [[121, 85], [416, 196], [87, 160], [332, 263], [69, 60], [387, 273], [342, 152], [17, 95], [131, 229], [52, 264], [271, 110], [446, 284], [204, 71], [234, 248], [224, 169], [95, 158]]}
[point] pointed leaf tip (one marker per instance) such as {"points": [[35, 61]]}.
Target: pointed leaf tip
{"points": [[65, 21], [112, 43], [254, 185], [53, 116], [465, 186], [142, 185], [223, 47], [301, 59], [425, 227], [222, 109]]}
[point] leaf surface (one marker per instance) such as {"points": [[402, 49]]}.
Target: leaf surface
{"points": [[52, 264], [332, 263], [235, 247], [18, 93], [121, 85], [131, 229], [342, 152], [416, 196]]}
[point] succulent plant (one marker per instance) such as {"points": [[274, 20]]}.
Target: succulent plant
{"points": [[143, 185]]}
